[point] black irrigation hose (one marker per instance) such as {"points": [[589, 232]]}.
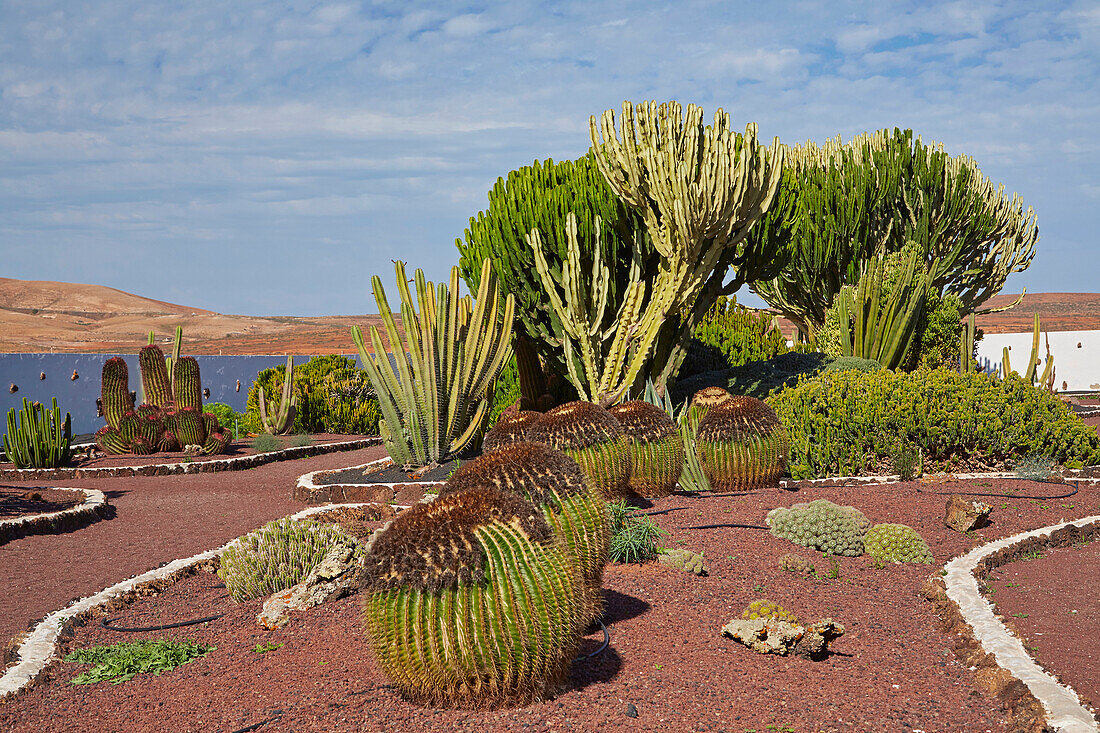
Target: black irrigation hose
{"points": [[659, 511], [1076, 488], [728, 524], [106, 623], [606, 643], [708, 494], [256, 726]]}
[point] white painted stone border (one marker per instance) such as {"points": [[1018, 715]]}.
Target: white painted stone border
{"points": [[1063, 709], [306, 481], [95, 502], [39, 648], [252, 460], [882, 480]]}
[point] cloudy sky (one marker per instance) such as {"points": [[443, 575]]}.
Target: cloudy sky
{"points": [[269, 157]]}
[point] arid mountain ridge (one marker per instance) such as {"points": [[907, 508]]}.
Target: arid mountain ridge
{"points": [[41, 316]]}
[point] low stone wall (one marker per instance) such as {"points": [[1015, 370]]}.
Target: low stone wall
{"points": [[404, 494], [94, 508]]}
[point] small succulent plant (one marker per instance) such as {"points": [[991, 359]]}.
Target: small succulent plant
{"points": [[821, 525], [896, 543], [792, 563], [766, 609]]}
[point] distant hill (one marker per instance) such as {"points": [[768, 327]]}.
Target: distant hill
{"points": [[38, 316]]}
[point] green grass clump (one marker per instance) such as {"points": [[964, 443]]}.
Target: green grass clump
{"points": [[277, 556], [265, 443], [633, 537], [896, 543], [121, 662]]}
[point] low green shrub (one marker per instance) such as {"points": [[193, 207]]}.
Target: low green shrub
{"points": [[759, 378], [850, 422], [265, 443], [633, 537], [277, 556], [228, 418], [334, 396], [730, 335], [122, 662], [300, 440]]}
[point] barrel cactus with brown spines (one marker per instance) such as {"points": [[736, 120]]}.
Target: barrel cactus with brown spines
{"points": [[187, 383], [555, 483], [592, 437], [656, 447], [471, 601], [705, 399], [154, 377], [510, 428], [742, 444]]}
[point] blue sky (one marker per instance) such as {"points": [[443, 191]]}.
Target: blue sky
{"points": [[269, 157]]}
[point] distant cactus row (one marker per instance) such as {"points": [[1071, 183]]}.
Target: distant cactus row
{"points": [[170, 419]]}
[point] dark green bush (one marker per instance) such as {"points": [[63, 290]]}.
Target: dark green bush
{"points": [[850, 422], [759, 378], [333, 396], [507, 391], [230, 420], [731, 335]]}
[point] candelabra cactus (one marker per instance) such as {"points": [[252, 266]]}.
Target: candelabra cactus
{"points": [[40, 438], [656, 447], [592, 437], [282, 418], [472, 602], [742, 444], [555, 483]]}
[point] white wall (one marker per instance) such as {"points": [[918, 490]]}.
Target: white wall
{"points": [[1076, 356]]}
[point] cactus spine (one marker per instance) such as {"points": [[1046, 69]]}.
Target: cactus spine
{"points": [[40, 438], [437, 401], [472, 602], [282, 419]]}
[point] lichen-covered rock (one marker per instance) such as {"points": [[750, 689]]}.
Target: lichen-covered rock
{"points": [[793, 563], [773, 636], [766, 609], [963, 515], [896, 543], [682, 559], [821, 525], [332, 578]]}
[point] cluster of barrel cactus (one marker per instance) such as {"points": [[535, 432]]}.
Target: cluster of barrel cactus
{"points": [[473, 600], [277, 556], [592, 437], [171, 417], [741, 443], [821, 525], [896, 543]]}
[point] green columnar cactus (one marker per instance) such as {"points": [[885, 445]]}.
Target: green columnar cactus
{"points": [[700, 189], [438, 399], [282, 417], [1047, 379], [189, 426], [821, 525], [510, 428], [40, 438], [115, 391], [896, 543], [555, 483], [966, 347], [472, 602], [277, 556], [187, 383], [540, 196], [593, 438], [742, 444], [154, 377], [656, 447]]}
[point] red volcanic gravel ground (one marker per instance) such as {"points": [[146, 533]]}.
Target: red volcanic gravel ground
{"points": [[1051, 602], [157, 519], [892, 671]]}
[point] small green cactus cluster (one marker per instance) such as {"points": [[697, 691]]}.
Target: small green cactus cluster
{"points": [[172, 415], [683, 559], [472, 601], [741, 444], [656, 447], [510, 428], [821, 525], [792, 563], [592, 437], [555, 484], [277, 556], [766, 609], [896, 543]]}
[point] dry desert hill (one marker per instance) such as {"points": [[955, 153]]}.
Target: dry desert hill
{"points": [[38, 316]]}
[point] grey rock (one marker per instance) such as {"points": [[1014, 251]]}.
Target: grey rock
{"points": [[334, 577]]}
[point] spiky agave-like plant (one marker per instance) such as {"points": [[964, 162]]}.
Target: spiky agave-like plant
{"points": [[555, 483], [511, 428], [592, 437], [742, 444], [656, 447], [471, 601]]}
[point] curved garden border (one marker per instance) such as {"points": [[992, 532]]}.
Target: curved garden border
{"points": [[238, 463], [400, 495], [39, 647], [94, 508]]}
